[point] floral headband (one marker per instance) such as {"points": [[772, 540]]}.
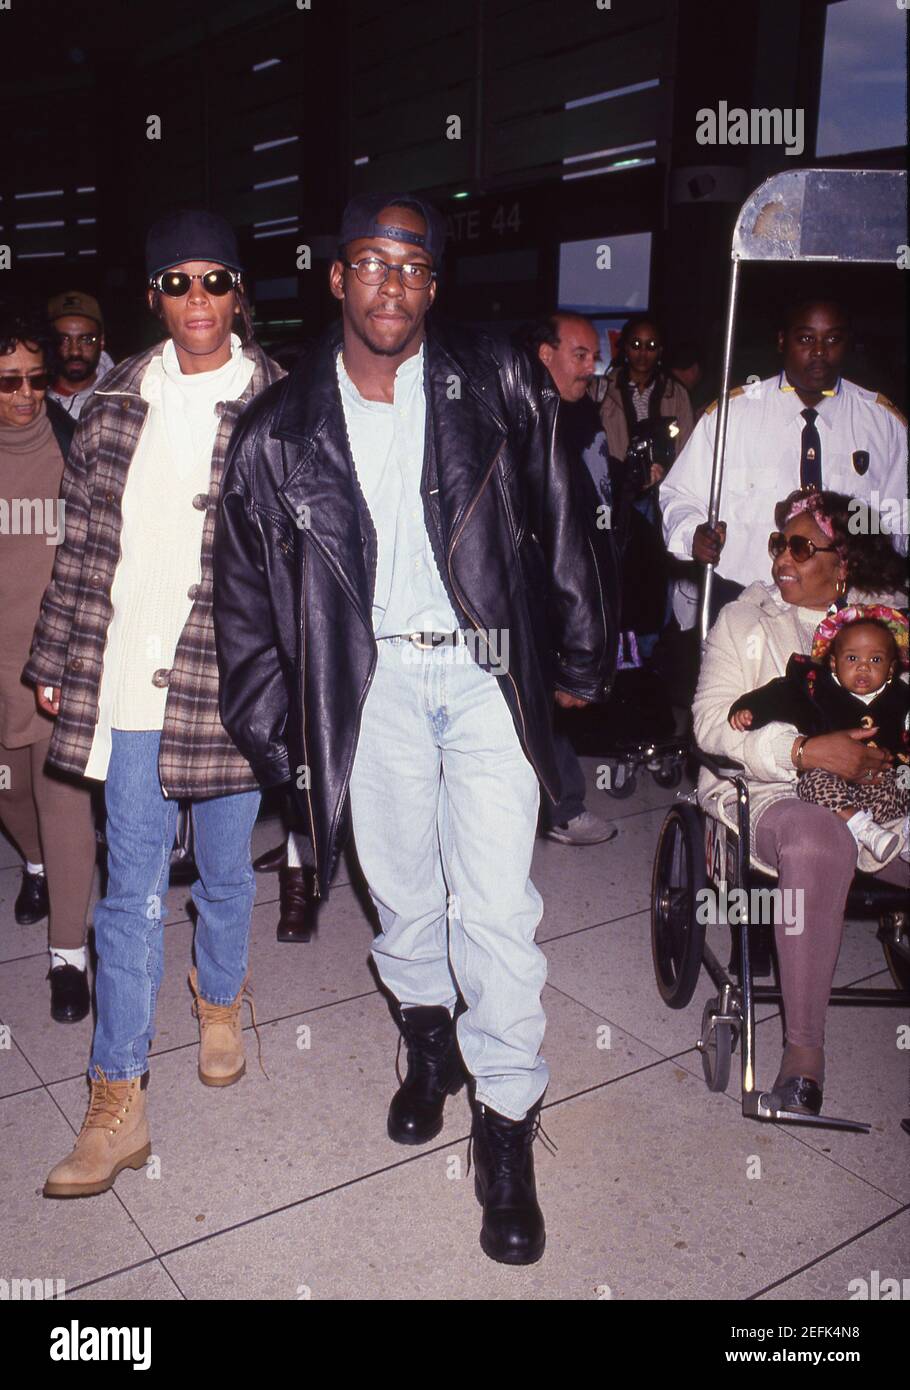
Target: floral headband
{"points": [[893, 618], [812, 503]]}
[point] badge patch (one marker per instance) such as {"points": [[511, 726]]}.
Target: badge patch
{"points": [[861, 461]]}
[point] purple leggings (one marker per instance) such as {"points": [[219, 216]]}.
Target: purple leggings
{"points": [[811, 849]]}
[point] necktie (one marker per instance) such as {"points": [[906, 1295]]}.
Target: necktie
{"points": [[810, 452]]}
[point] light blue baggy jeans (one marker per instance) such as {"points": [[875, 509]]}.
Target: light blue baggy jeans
{"points": [[444, 806]]}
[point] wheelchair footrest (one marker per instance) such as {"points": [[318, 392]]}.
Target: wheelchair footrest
{"points": [[757, 1106]]}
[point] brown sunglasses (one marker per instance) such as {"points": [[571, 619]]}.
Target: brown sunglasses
{"points": [[12, 381], [799, 547]]}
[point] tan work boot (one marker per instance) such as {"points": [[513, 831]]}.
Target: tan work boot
{"points": [[221, 1060], [114, 1136]]}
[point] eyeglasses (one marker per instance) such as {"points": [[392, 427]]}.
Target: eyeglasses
{"points": [[13, 381], [176, 283], [647, 343], [799, 547], [415, 275], [85, 340]]}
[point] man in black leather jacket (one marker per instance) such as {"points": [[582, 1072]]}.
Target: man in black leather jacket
{"points": [[406, 571]]}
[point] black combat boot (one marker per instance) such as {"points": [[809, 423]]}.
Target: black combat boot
{"points": [[513, 1229], [434, 1071]]}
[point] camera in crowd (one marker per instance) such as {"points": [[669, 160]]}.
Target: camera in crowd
{"points": [[652, 441]]}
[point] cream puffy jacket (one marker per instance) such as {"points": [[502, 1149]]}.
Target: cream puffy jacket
{"points": [[749, 645]]}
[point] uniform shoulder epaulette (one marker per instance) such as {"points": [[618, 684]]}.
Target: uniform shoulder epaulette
{"points": [[737, 391], [889, 405]]}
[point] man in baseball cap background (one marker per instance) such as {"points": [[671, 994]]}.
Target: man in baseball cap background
{"points": [[81, 360]]}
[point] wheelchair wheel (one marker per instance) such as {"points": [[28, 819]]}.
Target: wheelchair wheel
{"points": [[677, 936], [897, 954], [669, 776], [716, 1047], [622, 782]]}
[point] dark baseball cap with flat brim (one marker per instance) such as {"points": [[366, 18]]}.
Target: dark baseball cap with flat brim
{"points": [[361, 219], [192, 235]]}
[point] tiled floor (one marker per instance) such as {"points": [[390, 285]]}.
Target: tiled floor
{"points": [[286, 1186]]}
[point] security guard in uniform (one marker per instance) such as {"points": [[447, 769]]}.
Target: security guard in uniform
{"points": [[806, 425]]}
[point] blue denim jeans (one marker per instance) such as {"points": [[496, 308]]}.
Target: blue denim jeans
{"points": [[572, 782], [444, 806], [129, 921]]}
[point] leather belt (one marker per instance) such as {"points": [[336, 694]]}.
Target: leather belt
{"points": [[427, 641]]}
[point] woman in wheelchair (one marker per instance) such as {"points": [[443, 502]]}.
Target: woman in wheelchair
{"points": [[821, 568]]}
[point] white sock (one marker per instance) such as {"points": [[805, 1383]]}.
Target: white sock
{"points": [[31, 868], [76, 957], [858, 822], [294, 860]]}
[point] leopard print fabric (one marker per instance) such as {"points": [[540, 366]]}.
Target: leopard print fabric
{"points": [[885, 798]]}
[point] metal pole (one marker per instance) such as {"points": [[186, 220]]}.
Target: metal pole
{"points": [[717, 467], [745, 962]]}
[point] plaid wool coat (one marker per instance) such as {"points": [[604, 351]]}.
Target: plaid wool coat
{"points": [[197, 757]]}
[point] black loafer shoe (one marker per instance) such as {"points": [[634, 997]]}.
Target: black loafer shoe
{"points": [[798, 1093], [435, 1071], [272, 860], [298, 905], [70, 998], [32, 903]]}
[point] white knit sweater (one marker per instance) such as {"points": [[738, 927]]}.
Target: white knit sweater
{"points": [[160, 540]]}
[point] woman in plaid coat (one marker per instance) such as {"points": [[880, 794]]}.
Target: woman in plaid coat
{"points": [[123, 657]]}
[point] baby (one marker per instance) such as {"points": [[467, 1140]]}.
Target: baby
{"points": [[849, 682]]}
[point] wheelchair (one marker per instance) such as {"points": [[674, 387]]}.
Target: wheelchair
{"points": [[698, 856]]}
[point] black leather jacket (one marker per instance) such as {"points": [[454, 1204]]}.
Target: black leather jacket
{"points": [[513, 528]]}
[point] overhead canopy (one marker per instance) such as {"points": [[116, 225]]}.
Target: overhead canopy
{"points": [[825, 215]]}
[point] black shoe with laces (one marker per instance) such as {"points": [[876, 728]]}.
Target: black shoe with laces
{"points": [[70, 997], [513, 1229], [434, 1071], [32, 904]]}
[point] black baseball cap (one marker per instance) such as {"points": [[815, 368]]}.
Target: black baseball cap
{"points": [[361, 219], [191, 235]]}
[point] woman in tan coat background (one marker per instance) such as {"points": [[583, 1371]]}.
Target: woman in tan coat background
{"points": [[638, 394], [641, 389], [48, 816]]}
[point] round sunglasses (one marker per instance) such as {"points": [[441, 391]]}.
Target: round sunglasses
{"points": [[176, 283], [13, 381], [799, 547]]}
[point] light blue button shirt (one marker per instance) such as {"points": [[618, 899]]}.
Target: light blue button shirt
{"points": [[387, 446]]}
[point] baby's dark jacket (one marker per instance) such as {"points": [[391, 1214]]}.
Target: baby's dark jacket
{"points": [[809, 697]]}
